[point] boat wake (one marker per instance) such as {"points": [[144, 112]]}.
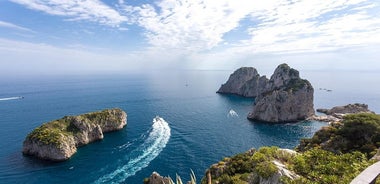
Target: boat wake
{"points": [[143, 155], [11, 98]]}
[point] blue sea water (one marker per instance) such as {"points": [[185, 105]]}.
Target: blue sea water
{"points": [[197, 129]]}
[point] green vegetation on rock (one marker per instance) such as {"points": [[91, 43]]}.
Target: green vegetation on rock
{"points": [[248, 167], [54, 132], [336, 154], [315, 166], [102, 117], [357, 132], [297, 84]]}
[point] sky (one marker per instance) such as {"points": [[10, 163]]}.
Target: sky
{"points": [[92, 36]]}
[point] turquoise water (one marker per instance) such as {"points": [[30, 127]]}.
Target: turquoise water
{"points": [[195, 132]]}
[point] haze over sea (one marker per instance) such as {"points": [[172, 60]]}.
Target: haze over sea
{"points": [[197, 130]]}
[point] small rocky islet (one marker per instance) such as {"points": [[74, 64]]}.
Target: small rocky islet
{"points": [[58, 140]]}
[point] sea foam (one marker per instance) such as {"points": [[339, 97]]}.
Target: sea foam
{"points": [[145, 153], [11, 98]]}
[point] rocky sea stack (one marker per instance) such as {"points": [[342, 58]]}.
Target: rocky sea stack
{"points": [[58, 140], [246, 82], [285, 97]]}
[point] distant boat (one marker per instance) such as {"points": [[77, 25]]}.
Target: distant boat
{"points": [[157, 118]]}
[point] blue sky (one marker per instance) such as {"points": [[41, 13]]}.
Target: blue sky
{"points": [[85, 36]]}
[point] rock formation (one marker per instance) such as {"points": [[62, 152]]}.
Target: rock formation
{"points": [[338, 111], [156, 178], [254, 166], [245, 82], [58, 140], [284, 98]]}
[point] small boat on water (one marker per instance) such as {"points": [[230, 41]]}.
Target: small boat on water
{"points": [[157, 118]]}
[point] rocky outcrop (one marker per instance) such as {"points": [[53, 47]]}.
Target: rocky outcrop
{"points": [[324, 118], [265, 166], [286, 98], [155, 178], [338, 111], [245, 81], [58, 140]]}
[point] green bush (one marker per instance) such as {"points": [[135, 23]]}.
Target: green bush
{"points": [[321, 166], [265, 169], [357, 132]]}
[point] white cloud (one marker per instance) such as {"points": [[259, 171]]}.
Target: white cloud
{"points": [[14, 26], [314, 26], [185, 28], [274, 25], [75, 10], [189, 25]]}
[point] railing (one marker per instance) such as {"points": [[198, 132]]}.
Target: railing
{"points": [[369, 175]]}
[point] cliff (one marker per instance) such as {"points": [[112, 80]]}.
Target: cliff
{"points": [[287, 98], [245, 82], [58, 140]]}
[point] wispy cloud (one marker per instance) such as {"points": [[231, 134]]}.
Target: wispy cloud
{"points": [[273, 25], [14, 26], [309, 26], [189, 25], [76, 10]]}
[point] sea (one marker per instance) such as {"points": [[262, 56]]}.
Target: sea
{"points": [[197, 127]]}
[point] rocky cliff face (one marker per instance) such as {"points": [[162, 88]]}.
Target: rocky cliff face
{"points": [[285, 97], [244, 81], [284, 105], [58, 140]]}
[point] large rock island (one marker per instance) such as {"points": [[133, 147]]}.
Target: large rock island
{"points": [[58, 140], [285, 97]]}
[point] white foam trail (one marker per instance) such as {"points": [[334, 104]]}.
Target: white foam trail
{"points": [[232, 113], [11, 98], [148, 151]]}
